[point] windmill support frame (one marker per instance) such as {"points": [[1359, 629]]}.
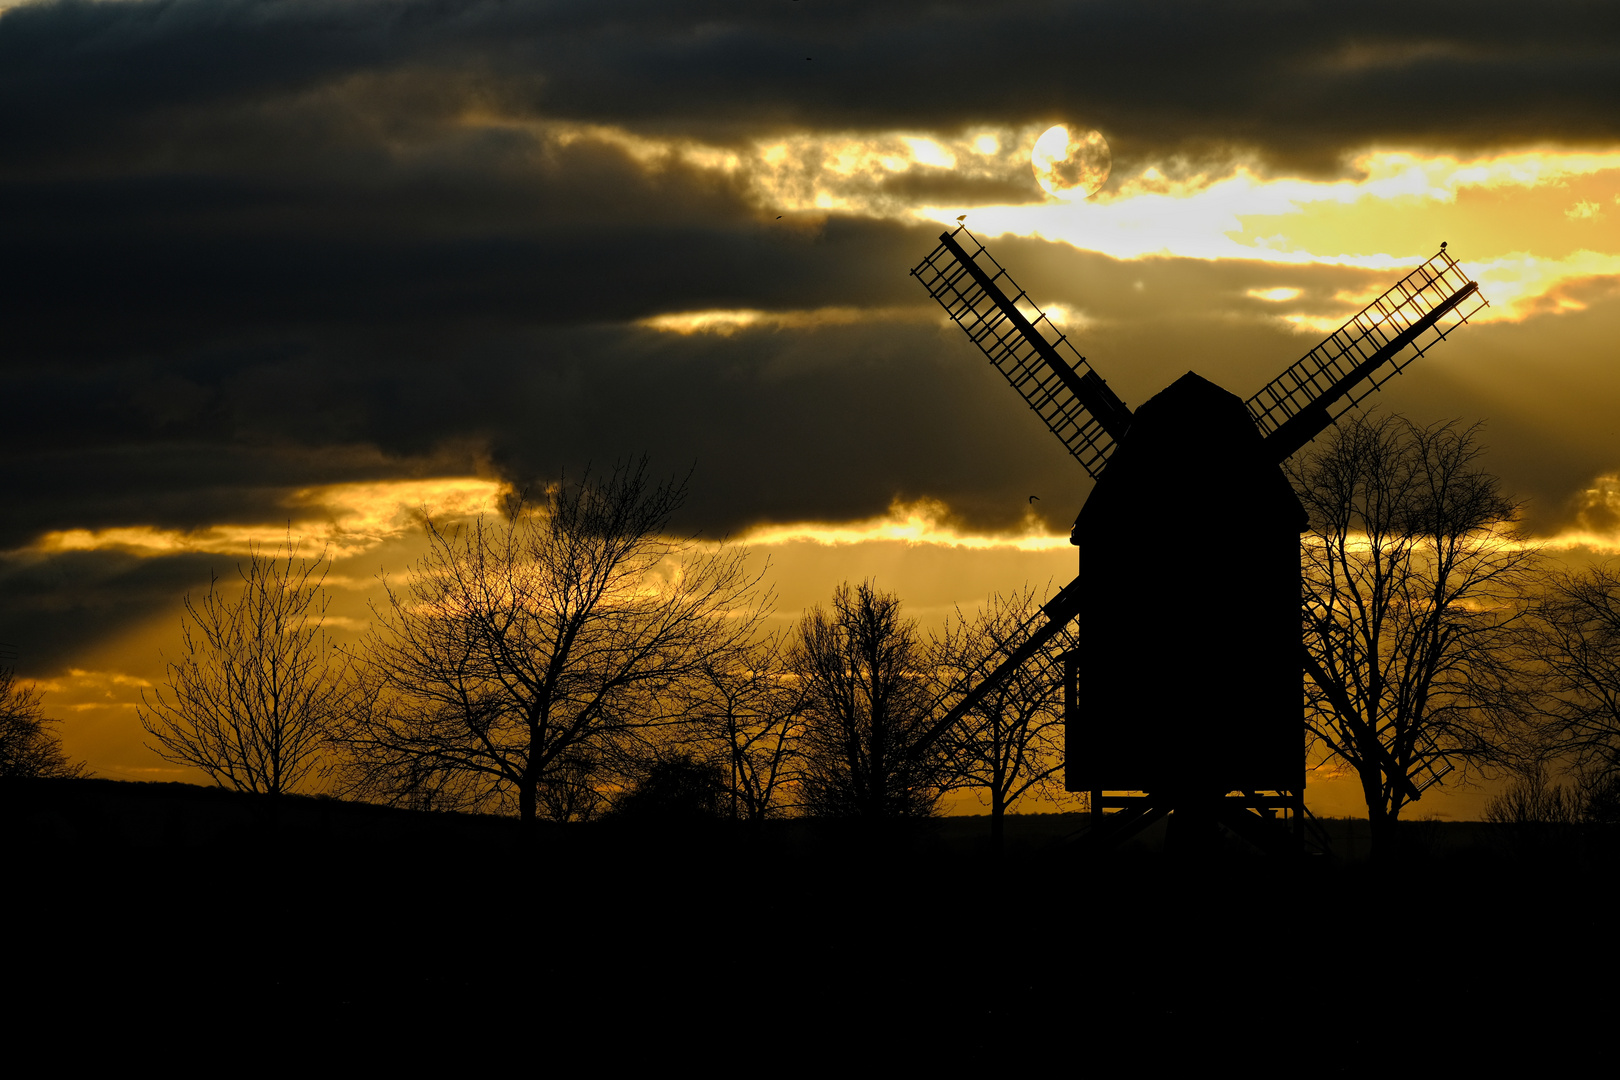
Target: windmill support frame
{"points": [[1250, 815]]}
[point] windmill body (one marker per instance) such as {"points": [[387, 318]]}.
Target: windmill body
{"points": [[1186, 683], [1188, 607]]}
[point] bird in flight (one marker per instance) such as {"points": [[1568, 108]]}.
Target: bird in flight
{"points": [[1033, 499]]}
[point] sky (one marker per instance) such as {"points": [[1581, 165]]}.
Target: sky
{"points": [[314, 268]]}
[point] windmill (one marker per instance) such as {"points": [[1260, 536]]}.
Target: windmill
{"points": [[1184, 722]]}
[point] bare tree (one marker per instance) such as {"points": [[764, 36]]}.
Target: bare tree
{"points": [[744, 716], [674, 789], [28, 746], [866, 705], [1532, 817], [259, 686], [524, 654], [1415, 596], [1579, 621], [1011, 743], [570, 790], [1531, 799]]}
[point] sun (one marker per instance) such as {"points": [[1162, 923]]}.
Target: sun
{"points": [[1071, 167]]}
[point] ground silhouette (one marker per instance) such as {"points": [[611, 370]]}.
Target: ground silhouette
{"points": [[387, 930]]}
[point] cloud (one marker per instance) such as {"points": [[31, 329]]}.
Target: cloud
{"points": [[926, 521], [255, 249], [54, 608], [1158, 79], [338, 519], [1598, 507], [831, 389], [726, 323]]}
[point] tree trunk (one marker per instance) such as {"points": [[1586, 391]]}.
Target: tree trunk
{"points": [[1381, 820], [528, 791], [1381, 825], [998, 813], [272, 804]]}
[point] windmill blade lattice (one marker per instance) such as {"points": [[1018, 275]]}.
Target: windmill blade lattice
{"points": [[1073, 400], [1366, 352], [1030, 637], [1425, 775]]}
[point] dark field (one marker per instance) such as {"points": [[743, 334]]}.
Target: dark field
{"points": [[183, 924]]}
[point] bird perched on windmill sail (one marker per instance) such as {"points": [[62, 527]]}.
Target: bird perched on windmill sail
{"points": [[1185, 685]]}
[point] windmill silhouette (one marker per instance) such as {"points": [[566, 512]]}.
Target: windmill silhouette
{"points": [[1184, 687]]}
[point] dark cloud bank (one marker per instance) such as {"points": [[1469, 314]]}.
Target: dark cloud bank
{"points": [[1295, 80], [249, 246]]}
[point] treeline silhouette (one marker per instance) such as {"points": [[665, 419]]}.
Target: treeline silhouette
{"points": [[570, 660]]}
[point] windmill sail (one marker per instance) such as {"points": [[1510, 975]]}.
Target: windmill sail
{"points": [[1076, 404], [1338, 374], [1032, 636], [1428, 753]]}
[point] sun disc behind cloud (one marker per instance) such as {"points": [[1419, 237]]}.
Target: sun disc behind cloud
{"points": [[1071, 167]]}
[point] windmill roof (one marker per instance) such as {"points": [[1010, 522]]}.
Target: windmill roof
{"points": [[1192, 454]]}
